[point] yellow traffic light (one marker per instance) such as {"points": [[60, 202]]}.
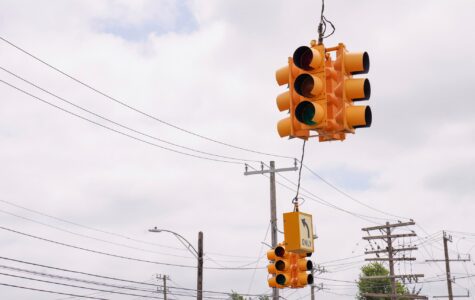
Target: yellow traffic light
{"points": [[352, 89], [303, 265], [279, 267], [322, 92], [305, 100]]}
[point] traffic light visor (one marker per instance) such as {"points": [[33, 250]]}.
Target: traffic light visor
{"points": [[359, 116], [282, 75], [278, 251], [357, 89], [283, 128], [309, 113], [307, 58], [305, 265], [357, 63], [308, 86], [283, 101]]}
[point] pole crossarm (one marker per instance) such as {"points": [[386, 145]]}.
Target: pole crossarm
{"points": [[270, 171], [408, 296], [389, 226], [460, 259], [389, 259], [394, 250], [393, 236]]}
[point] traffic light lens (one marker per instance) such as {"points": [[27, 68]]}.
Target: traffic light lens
{"points": [[280, 279], [310, 279], [303, 58], [280, 265], [305, 112], [308, 86], [280, 251], [309, 265]]}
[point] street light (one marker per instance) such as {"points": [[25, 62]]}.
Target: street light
{"points": [[196, 253]]}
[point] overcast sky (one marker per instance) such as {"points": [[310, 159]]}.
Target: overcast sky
{"points": [[208, 67]]}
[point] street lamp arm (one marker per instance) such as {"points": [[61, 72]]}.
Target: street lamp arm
{"points": [[179, 237]]}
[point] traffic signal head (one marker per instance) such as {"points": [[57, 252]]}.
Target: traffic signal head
{"points": [[305, 99], [299, 266], [323, 91], [279, 267]]}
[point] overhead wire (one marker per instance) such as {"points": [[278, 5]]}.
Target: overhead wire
{"points": [[134, 108], [128, 238], [121, 125], [115, 130], [50, 292], [110, 277], [119, 256]]}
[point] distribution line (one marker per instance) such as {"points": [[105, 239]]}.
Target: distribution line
{"points": [[112, 278], [121, 125], [117, 131], [93, 289], [110, 233], [49, 291], [75, 286], [136, 109], [351, 197], [119, 256], [32, 272], [93, 238], [320, 200]]}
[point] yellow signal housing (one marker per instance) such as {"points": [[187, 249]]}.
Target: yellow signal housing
{"points": [[298, 232], [279, 267]]}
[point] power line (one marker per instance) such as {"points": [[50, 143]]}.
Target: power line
{"points": [[111, 233], [136, 109], [112, 278], [115, 130], [119, 256], [349, 196], [90, 237], [121, 125], [51, 292]]}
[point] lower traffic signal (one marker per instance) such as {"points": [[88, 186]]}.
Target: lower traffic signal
{"points": [[279, 267]]}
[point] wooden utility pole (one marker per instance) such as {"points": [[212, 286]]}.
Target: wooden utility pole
{"points": [[389, 238], [447, 260], [273, 207], [199, 294], [164, 278]]}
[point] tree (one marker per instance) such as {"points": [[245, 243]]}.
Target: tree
{"points": [[379, 286]]}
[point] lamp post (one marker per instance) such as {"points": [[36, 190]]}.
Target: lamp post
{"points": [[196, 253]]}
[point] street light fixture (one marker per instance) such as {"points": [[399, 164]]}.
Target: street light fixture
{"points": [[196, 253]]}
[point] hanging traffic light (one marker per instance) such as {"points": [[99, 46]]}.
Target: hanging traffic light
{"points": [[322, 92], [279, 267], [343, 90], [300, 266], [305, 99]]}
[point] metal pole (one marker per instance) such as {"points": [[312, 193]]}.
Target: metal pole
{"points": [[273, 217], [199, 294], [391, 263], [447, 267]]}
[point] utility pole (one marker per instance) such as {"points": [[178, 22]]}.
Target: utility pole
{"points": [[389, 238], [320, 270], [273, 207], [447, 260], [164, 278], [198, 254], [200, 266]]}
